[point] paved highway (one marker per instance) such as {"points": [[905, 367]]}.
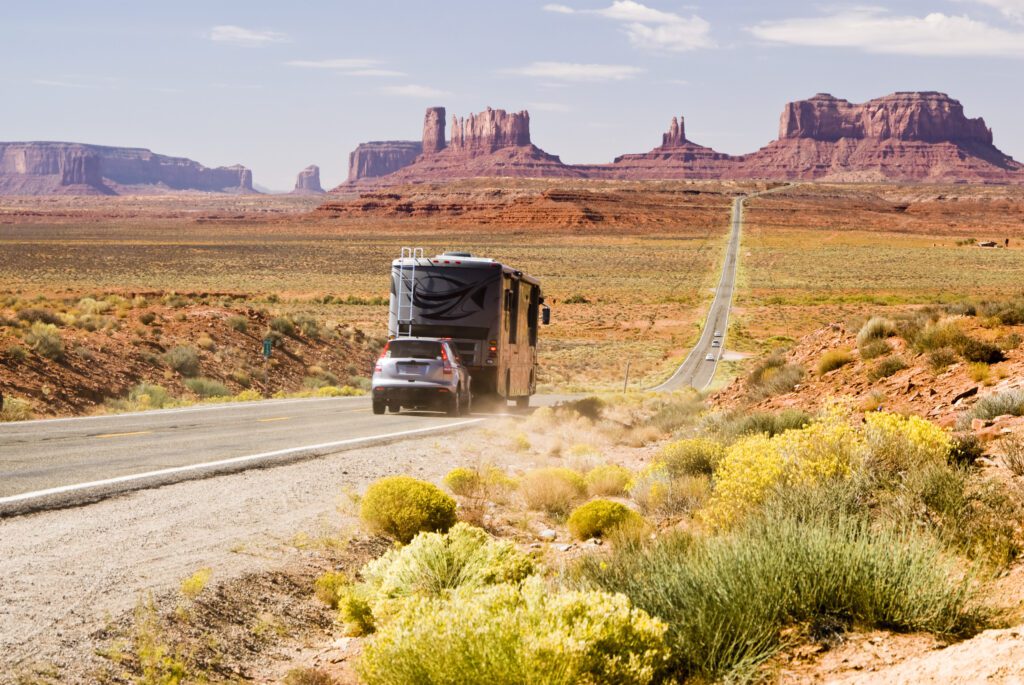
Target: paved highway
{"points": [[696, 370]]}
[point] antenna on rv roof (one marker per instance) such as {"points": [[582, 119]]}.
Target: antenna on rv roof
{"points": [[458, 254]]}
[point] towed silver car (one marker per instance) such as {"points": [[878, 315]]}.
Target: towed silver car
{"points": [[421, 373]]}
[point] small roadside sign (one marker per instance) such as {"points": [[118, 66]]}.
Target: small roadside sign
{"points": [[268, 346]]}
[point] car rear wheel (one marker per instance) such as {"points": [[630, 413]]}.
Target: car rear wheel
{"points": [[378, 407], [455, 404]]}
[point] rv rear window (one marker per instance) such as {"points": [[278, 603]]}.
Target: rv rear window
{"points": [[414, 349]]}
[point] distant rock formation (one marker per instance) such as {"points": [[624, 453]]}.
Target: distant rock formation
{"points": [[433, 130], [308, 181], [382, 157], [906, 136], [45, 168]]}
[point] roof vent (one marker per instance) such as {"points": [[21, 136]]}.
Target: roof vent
{"points": [[457, 254]]}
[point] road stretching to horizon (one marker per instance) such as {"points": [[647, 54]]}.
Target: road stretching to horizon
{"points": [[53, 463]]}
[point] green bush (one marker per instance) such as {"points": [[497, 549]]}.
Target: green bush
{"points": [[463, 482], [553, 490], [1009, 402], [147, 318], [692, 456], [728, 598], [735, 425], [517, 634], [184, 360], [149, 396], [833, 359], [309, 326], [977, 351], [941, 358], [329, 587], [608, 480], [45, 340], [207, 387], [401, 507], [886, 368], [874, 348], [464, 557], [35, 315], [875, 328], [657, 491], [599, 517], [944, 333], [1008, 313]]}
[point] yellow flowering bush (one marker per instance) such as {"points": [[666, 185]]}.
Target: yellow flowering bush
{"points": [[755, 466], [402, 506], [899, 443], [657, 491], [599, 517], [514, 633], [692, 456]]}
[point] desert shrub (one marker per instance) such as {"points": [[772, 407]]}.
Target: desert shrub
{"points": [[979, 372], [464, 557], [553, 490], [241, 377], [184, 360], [15, 409], [886, 368], [309, 326], [1013, 454], [965, 449], [834, 359], [16, 353], [599, 517], [401, 507], [754, 467], [691, 456], [874, 348], [608, 480], [728, 599], [335, 391], [283, 325], [238, 323], [463, 482], [657, 491], [941, 358], [247, 396], [322, 379], [309, 676], [729, 427], [587, 407], [207, 387], [773, 376], [147, 318], [45, 340], [576, 298], [205, 342], [516, 634], [1008, 313], [329, 587], [1009, 402], [149, 396], [36, 315], [95, 322], [678, 410], [974, 350], [1011, 342], [898, 444], [194, 585], [876, 328], [939, 334]]}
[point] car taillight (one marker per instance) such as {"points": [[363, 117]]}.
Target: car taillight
{"points": [[447, 369], [378, 368]]}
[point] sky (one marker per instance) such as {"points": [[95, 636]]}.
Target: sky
{"points": [[277, 86]]}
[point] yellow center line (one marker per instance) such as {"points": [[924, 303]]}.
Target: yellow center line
{"points": [[121, 435], [274, 418]]}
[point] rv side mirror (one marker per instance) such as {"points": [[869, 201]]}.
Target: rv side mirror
{"points": [[545, 315]]}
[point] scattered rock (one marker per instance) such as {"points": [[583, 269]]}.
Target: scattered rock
{"points": [[547, 534]]}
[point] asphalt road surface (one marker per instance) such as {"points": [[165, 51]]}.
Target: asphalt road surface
{"points": [[697, 370]]}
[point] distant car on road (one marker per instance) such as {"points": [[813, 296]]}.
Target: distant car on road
{"points": [[421, 373], [716, 343], [709, 358], [718, 334]]}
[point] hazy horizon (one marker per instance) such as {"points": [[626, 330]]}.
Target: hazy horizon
{"points": [[278, 88]]}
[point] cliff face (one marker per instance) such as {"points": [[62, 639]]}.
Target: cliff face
{"points": [[433, 130], [380, 158], [490, 131], [308, 181], [41, 168]]}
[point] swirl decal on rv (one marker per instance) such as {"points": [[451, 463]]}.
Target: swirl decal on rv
{"points": [[442, 297]]}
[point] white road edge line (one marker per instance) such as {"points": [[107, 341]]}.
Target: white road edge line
{"points": [[222, 462]]}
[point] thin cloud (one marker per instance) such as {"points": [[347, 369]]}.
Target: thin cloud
{"points": [[237, 35], [876, 31], [1011, 9], [549, 107], [570, 71], [413, 90], [350, 66], [59, 84], [650, 28]]}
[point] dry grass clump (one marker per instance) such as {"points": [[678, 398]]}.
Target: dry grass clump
{"points": [[773, 376], [832, 360], [886, 368], [876, 328], [45, 340], [1007, 403], [874, 349], [553, 490], [207, 387], [15, 409], [942, 358], [657, 492], [309, 676], [608, 480], [1013, 454], [183, 359]]}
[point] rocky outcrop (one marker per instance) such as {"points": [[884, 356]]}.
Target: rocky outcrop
{"points": [[905, 136], [43, 168], [380, 158], [308, 181], [490, 131], [433, 130]]}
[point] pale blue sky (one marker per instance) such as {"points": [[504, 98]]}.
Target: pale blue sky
{"points": [[276, 86]]}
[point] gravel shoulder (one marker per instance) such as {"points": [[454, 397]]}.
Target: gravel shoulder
{"points": [[66, 574]]}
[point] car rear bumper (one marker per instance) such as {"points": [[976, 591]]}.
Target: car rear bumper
{"points": [[413, 395]]}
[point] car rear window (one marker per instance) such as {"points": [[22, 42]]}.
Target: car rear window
{"points": [[414, 349]]}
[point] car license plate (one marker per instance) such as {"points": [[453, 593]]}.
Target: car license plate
{"points": [[411, 369]]}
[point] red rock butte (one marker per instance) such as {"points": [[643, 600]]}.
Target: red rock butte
{"points": [[906, 136]]}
